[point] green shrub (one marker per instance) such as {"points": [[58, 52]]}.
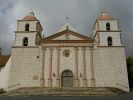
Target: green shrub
{"points": [[2, 91]]}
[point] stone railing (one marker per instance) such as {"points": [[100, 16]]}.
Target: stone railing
{"points": [[13, 87], [123, 87]]}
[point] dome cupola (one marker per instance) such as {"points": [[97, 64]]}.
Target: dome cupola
{"points": [[30, 17], [105, 16]]}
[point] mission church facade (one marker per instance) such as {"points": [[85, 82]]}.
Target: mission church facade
{"points": [[67, 58]]}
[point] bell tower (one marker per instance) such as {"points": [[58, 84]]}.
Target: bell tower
{"points": [[28, 31], [106, 31]]}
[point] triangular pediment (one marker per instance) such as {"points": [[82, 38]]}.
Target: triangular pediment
{"points": [[67, 35]]}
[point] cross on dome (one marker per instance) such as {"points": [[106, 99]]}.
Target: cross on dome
{"points": [[67, 26], [30, 16], [67, 19], [32, 13]]}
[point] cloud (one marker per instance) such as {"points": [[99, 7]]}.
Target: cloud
{"points": [[52, 14]]}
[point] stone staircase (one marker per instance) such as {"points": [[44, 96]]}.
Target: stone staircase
{"points": [[65, 91]]}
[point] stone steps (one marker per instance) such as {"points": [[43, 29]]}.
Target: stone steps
{"points": [[65, 91]]}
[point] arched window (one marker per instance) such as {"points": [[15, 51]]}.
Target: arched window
{"points": [[25, 41], [27, 26], [107, 26], [109, 39]]}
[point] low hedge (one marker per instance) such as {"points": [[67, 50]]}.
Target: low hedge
{"points": [[2, 91]]}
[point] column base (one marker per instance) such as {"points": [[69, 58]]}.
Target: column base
{"points": [[57, 82], [42, 82], [93, 83], [49, 82], [76, 82], [85, 82]]}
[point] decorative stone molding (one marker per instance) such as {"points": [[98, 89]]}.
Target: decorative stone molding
{"points": [[84, 68], [92, 67], [58, 68], [50, 68], [76, 67], [42, 80], [67, 45]]}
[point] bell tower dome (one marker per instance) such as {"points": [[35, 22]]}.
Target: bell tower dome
{"points": [[106, 31], [28, 31]]}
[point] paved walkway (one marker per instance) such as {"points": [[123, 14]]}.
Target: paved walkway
{"points": [[127, 96]]}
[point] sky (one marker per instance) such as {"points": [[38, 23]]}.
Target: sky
{"points": [[52, 15]]}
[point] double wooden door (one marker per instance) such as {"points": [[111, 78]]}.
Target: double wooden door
{"points": [[67, 79]]}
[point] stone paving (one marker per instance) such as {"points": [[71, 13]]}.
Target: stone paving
{"points": [[127, 96]]}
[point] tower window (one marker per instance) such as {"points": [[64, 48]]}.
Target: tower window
{"points": [[109, 39], [107, 26], [25, 41], [27, 26]]}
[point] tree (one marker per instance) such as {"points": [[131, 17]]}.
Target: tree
{"points": [[130, 71]]}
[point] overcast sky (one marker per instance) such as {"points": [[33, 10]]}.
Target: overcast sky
{"points": [[52, 14]]}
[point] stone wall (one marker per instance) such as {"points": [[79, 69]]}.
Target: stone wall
{"points": [[110, 67], [24, 68], [4, 75]]}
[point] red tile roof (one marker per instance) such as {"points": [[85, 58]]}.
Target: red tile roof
{"points": [[4, 59], [29, 17], [105, 16]]}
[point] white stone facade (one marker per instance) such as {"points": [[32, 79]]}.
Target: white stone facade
{"points": [[24, 67], [67, 64], [110, 67], [92, 62], [4, 75]]}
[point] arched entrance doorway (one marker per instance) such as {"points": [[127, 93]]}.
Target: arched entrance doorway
{"points": [[67, 78]]}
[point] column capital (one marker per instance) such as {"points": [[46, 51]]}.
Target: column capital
{"points": [[43, 48], [91, 48], [51, 49], [76, 48], [58, 48], [83, 48]]}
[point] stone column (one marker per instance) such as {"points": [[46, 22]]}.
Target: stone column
{"points": [[42, 81], [92, 68], [76, 82], [84, 68], [58, 68], [50, 68]]}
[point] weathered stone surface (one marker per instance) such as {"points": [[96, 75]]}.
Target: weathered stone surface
{"points": [[92, 63], [65, 91]]}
